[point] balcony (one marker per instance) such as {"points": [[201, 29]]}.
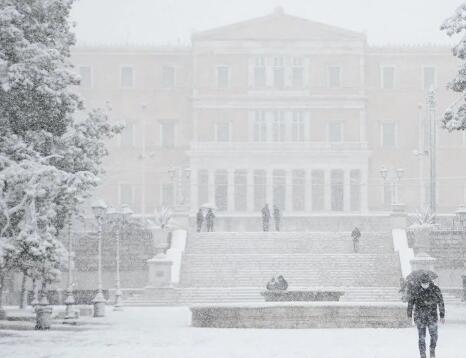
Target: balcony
{"points": [[338, 147]]}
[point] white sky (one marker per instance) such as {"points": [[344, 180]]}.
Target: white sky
{"points": [[172, 21]]}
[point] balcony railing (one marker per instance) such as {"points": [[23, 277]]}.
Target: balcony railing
{"points": [[278, 146]]}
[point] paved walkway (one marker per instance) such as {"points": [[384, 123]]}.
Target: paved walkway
{"points": [[166, 333]]}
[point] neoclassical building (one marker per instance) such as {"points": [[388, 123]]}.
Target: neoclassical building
{"points": [[279, 110]]}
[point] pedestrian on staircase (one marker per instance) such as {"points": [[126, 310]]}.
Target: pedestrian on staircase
{"points": [[356, 234], [199, 219], [276, 217], [425, 300], [209, 218], [265, 217]]}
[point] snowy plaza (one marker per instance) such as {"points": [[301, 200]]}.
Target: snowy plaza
{"points": [[166, 333], [232, 179]]}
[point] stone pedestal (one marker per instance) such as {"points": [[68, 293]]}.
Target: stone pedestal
{"points": [[398, 216], [181, 217], [421, 237], [423, 261], [160, 268]]}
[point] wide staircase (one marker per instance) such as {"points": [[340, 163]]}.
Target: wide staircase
{"points": [[234, 267]]}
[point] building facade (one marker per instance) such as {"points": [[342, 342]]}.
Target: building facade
{"points": [[278, 110]]}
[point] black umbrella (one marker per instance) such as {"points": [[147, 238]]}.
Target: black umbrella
{"points": [[416, 276]]}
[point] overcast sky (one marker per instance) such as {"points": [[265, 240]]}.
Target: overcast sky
{"points": [[172, 21]]}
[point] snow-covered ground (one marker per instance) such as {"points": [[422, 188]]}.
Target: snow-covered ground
{"points": [[166, 333]]}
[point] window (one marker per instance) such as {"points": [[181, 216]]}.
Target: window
{"points": [[430, 77], [355, 190], [223, 76], [279, 188], [336, 182], [387, 77], [221, 190], [299, 189], [260, 76], [297, 74], [317, 182], [168, 77], [388, 135], [297, 127], [279, 127], [127, 77], [222, 132], [241, 190], [127, 135], [260, 191], [278, 73], [260, 127], [167, 134], [86, 76], [334, 76], [203, 186], [126, 192], [335, 132], [167, 195]]}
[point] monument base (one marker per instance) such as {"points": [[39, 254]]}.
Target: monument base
{"points": [[302, 315]]}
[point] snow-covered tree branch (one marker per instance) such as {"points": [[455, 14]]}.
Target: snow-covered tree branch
{"points": [[51, 151], [455, 116]]}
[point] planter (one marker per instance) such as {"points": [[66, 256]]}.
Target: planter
{"points": [[43, 317]]}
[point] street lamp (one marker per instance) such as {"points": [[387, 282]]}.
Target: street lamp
{"points": [[69, 301], [99, 208], [125, 214], [461, 215]]}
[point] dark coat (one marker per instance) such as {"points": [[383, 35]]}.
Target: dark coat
{"points": [[425, 303]]}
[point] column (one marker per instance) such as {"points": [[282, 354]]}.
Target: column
{"points": [[308, 184], [327, 191], [346, 191], [363, 126], [250, 190], [211, 188], [194, 190], [364, 189], [269, 186], [231, 190], [288, 190]]}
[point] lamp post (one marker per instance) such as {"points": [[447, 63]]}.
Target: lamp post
{"points": [[99, 209], [394, 181], [461, 215], [125, 213], [69, 301], [431, 105]]}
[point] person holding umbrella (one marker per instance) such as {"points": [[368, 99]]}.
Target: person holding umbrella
{"points": [[199, 219], [427, 301], [265, 217], [356, 234], [209, 218]]}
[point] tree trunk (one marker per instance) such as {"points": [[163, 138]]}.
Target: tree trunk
{"points": [[2, 310], [24, 293]]}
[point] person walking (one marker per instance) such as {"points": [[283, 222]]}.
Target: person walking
{"points": [[199, 219], [265, 217], [209, 218], [356, 234], [276, 217], [427, 301]]}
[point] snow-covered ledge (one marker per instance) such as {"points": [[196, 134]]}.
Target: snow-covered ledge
{"points": [[400, 244]]}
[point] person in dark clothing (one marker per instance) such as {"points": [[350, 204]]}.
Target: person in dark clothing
{"points": [[199, 220], [265, 217], [356, 234], [281, 283], [276, 217], [425, 300], [209, 218]]}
